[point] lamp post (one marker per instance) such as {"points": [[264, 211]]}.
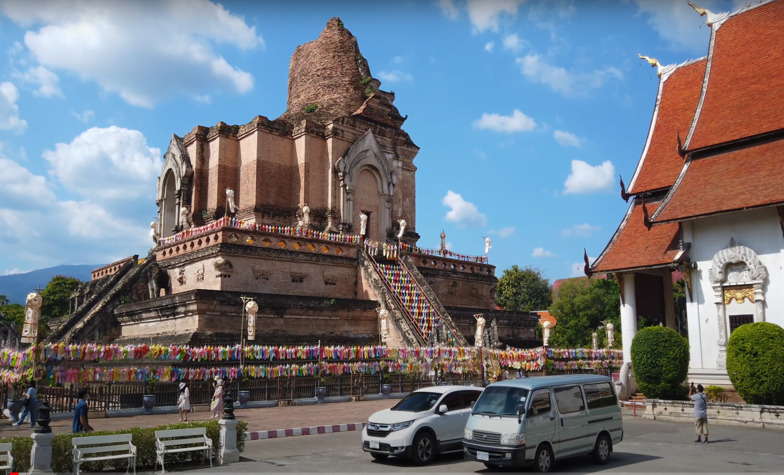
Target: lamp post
{"points": [[610, 335]]}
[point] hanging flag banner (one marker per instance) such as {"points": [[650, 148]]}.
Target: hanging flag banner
{"points": [[32, 315]]}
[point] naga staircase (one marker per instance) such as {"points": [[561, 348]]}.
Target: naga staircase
{"points": [[414, 310]]}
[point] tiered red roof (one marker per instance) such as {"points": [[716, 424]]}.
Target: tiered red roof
{"points": [[732, 103], [676, 103], [744, 91], [740, 121]]}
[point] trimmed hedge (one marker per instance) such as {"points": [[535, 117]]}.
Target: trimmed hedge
{"points": [[143, 439], [660, 361], [755, 362]]}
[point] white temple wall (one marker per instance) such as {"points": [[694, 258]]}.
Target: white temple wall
{"points": [[759, 230]]}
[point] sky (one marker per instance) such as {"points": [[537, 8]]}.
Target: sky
{"points": [[526, 112]]}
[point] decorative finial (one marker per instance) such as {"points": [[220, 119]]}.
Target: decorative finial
{"points": [[624, 194], [711, 17], [587, 267], [653, 62]]}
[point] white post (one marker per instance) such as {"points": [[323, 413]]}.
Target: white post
{"points": [[41, 455], [628, 316], [228, 442]]}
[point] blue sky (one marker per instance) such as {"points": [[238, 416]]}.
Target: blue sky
{"points": [[525, 112]]}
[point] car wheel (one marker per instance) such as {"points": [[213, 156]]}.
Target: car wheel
{"points": [[379, 456], [544, 459], [602, 449], [424, 449]]}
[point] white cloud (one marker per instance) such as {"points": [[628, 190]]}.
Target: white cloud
{"points": [[485, 14], [567, 139], [85, 116], [581, 230], [503, 232], [512, 42], [541, 252], [517, 122], [462, 212], [557, 78], [449, 9], [489, 47], [146, 52], [588, 179], [107, 164], [577, 269], [9, 110], [678, 24], [20, 189], [395, 76], [46, 81]]}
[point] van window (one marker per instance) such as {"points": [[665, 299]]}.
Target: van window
{"points": [[500, 401], [569, 399], [599, 395], [540, 404]]}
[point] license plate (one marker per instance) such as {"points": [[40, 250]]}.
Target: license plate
{"points": [[373, 444], [484, 456]]}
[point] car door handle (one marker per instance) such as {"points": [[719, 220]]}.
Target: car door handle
{"points": [[552, 418]]}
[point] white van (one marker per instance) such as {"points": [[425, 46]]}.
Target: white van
{"points": [[535, 421]]}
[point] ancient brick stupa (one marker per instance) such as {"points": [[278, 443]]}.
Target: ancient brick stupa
{"points": [[313, 216]]}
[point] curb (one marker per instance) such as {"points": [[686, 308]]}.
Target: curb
{"points": [[316, 430]]}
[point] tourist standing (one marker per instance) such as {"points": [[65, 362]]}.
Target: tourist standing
{"points": [[80, 420], [700, 412], [217, 400], [29, 406], [184, 402]]}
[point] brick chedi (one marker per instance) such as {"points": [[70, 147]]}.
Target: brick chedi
{"points": [[298, 213]]}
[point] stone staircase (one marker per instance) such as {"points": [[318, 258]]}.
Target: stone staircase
{"points": [[413, 306]]}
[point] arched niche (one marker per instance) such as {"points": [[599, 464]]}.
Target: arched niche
{"points": [[174, 187], [736, 274], [365, 154]]}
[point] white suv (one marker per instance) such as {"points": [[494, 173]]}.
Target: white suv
{"points": [[426, 422]]}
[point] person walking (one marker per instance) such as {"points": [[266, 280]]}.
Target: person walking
{"points": [[216, 406], [29, 406], [184, 402], [80, 420], [700, 412]]}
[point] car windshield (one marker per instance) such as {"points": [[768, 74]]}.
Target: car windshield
{"points": [[500, 401], [417, 402]]}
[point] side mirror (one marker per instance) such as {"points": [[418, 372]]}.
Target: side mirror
{"points": [[441, 409], [521, 409]]}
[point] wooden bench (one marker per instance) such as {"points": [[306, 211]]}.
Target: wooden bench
{"points": [[181, 440], [6, 459], [103, 447]]}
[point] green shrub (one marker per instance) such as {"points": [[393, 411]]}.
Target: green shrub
{"points": [[715, 394], [20, 450], [660, 361], [755, 362], [311, 108]]}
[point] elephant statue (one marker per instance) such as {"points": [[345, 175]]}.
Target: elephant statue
{"points": [[158, 279]]}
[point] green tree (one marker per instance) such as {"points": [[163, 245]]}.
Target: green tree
{"points": [[583, 307], [755, 362], [13, 314], [523, 290], [56, 298]]}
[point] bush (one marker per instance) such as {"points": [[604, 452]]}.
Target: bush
{"points": [[20, 450], [660, 361], [755, 362], [715, 394]]}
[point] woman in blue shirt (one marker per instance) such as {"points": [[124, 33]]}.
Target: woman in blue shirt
{"points": [[80, 422], [29, 406]]}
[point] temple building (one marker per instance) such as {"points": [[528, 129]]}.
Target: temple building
{"points": [[707, 196], [311, 215]]}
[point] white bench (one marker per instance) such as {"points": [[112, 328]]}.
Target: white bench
{"points": [[103, 447], [181, 440], [6, 459]]}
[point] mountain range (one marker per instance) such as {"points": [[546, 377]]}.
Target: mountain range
{"points": [[16, 286]]}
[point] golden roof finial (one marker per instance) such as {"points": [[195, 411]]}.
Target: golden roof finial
{"points": [[701, 11], [711, 17], [653, 62]]}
